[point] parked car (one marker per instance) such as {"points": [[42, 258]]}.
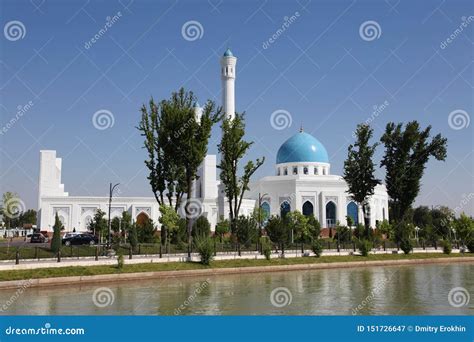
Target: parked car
{"points": [[70, 234], [80, 239], [37, 238]]}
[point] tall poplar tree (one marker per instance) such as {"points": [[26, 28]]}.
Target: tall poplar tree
{"points": [[359, 170], [233, 148], [176, 141], [406, 153]]}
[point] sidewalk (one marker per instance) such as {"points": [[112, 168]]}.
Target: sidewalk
{"points": [[8, 265]]}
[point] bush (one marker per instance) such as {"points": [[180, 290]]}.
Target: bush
{"points": [[120, 261], [205, 248], [406, 245], [201, 227], [266, 247], [317, 248], [364, 247], [447, 247]]}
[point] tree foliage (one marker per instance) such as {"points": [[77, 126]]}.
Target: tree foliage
{"points": [[278, 231], [407, 150], [233, 149], [176, 141], [359, 170], [56, 240], [201, 227]]}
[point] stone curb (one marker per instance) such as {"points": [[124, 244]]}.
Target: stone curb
{"points": [[58, 281]]}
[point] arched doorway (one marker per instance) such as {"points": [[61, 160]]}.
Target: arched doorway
{"points": [[285, 208], [308, 208], [142, 219], [330, 214], [265, 212], [353, 212]]}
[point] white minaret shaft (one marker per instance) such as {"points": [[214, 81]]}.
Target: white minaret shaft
{"points": [[228, 62]]}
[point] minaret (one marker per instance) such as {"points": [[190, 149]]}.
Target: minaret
{"points": [[228, 62]]}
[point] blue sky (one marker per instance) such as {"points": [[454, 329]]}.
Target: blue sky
{"points": [[322, 70]]}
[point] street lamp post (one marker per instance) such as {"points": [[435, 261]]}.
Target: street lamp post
{"points": [[111, 190]]}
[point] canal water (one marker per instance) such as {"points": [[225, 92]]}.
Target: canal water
{"points": [[442, 289]]}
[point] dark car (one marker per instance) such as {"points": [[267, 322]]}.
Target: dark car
{"points": [[37, 238], [80, 239]]}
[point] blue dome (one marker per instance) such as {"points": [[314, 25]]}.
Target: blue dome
{"points": [[302, 147], [228, 53]]}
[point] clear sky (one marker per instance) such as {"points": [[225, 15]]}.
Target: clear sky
{"points": [[321, 69]]}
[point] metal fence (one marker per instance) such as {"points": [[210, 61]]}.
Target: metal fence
{"points": [[159, 250]]}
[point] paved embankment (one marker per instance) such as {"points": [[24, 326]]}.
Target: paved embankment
{"points": [[9, 265], [58, 281]]}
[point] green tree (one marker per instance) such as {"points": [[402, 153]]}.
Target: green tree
{"points": [[10, 208], [27, 217], [56, 241], [278, 231], [186, 138], [299, 223], [147, 232], [233, 149], [442, 220], [314, 227], [359, 170], [169, 220], [98, 224], [245, 231], [464, 228], [166, 173], [406, 153], [201, 227], [222, 228]]}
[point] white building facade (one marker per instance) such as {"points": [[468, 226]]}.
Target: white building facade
{"points": [[302, 182]]}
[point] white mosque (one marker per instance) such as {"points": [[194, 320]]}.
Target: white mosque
{"points": [[302, 181]]}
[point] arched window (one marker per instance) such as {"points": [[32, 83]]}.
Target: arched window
{"points": [[315, 170], [307, 208], [295, 170], [266, 211], [383, 214], [285, 208], [324, 171], [330, 214], [305, 170], [353, 212], [278, 171], [285, 171]]}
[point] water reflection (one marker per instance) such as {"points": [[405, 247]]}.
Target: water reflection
{"points": [[402, 290]]}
